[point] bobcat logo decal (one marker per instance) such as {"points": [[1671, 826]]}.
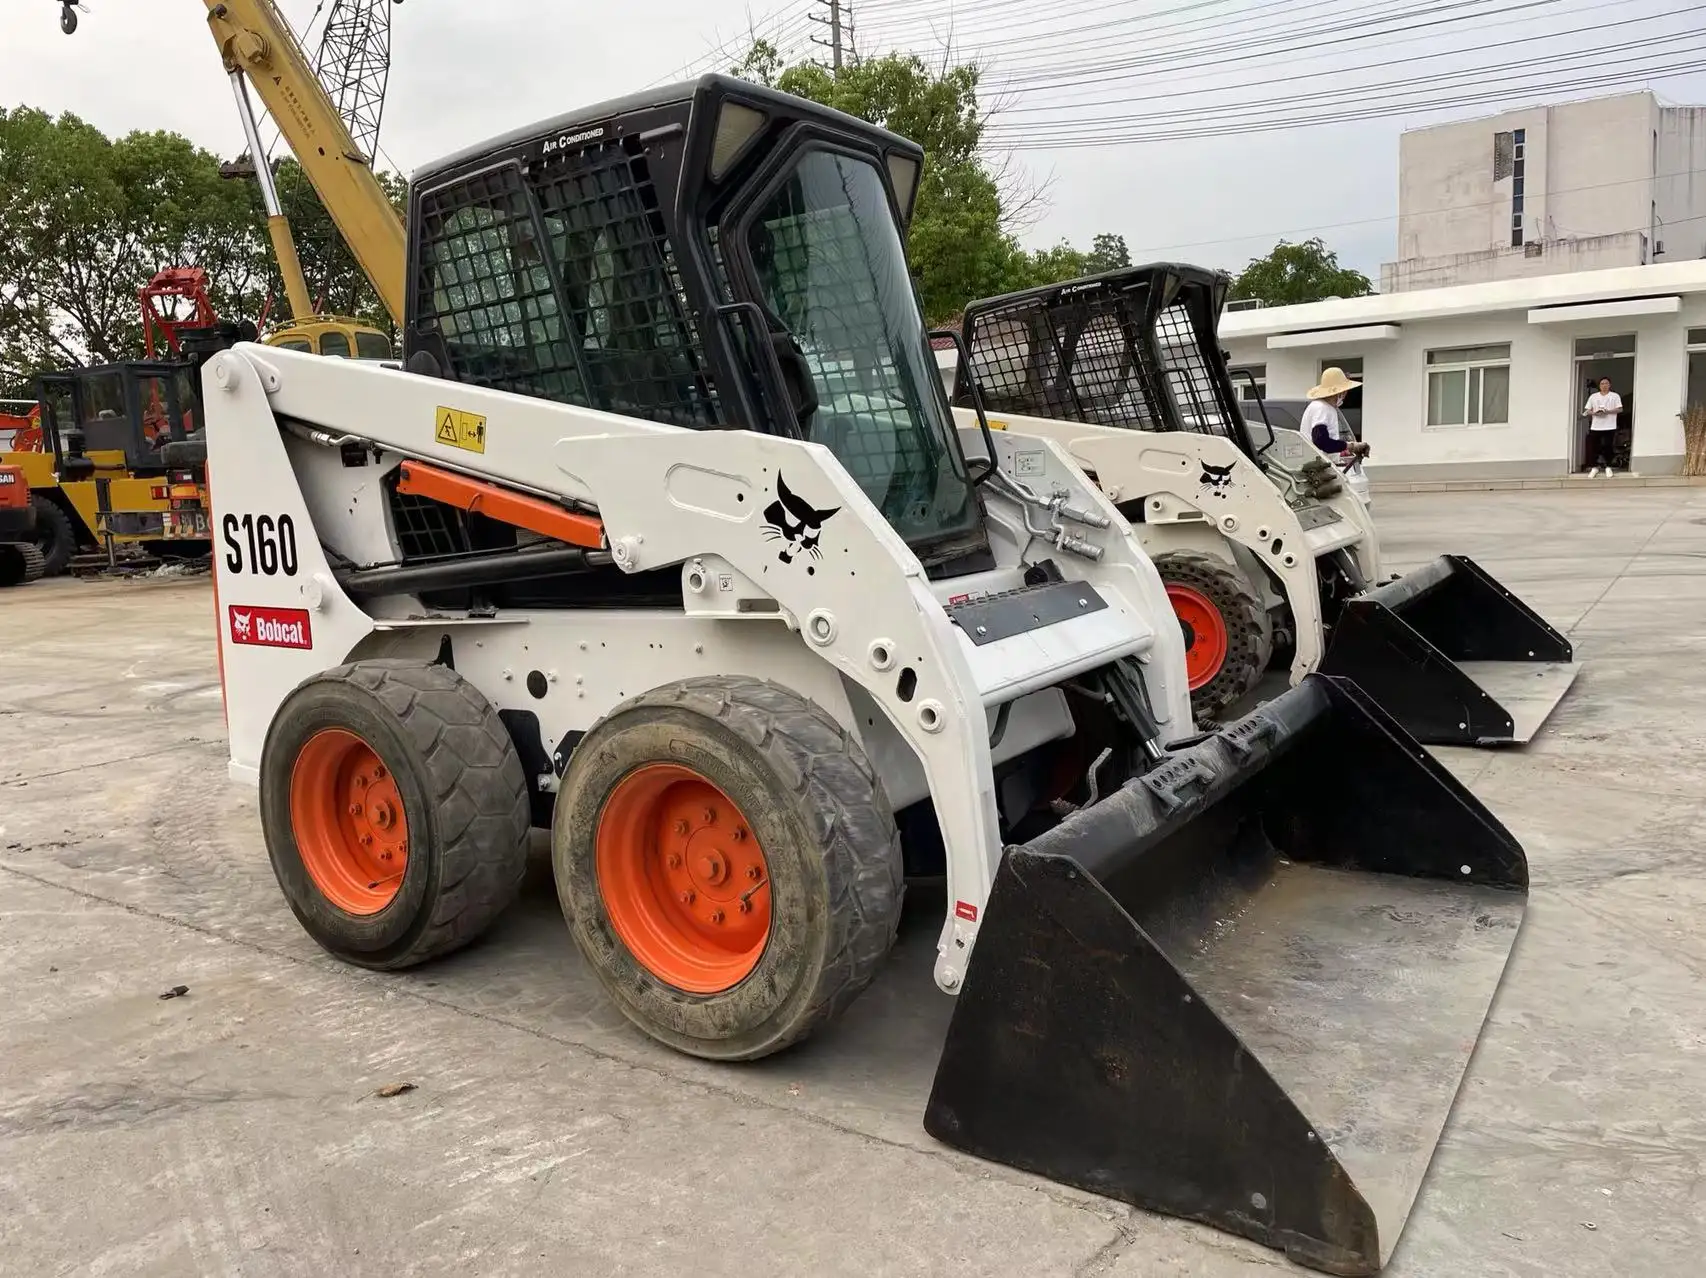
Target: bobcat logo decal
{"points": [[795, 523], [240, 622], [1217, 479]]}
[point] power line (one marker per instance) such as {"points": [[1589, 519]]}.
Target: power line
{"points": [[1345, 33], [1099, 34], [1330, 97], [1354, 68], [1628, 79]]}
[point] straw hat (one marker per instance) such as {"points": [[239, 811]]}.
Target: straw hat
{"points": [[1333, 382]]}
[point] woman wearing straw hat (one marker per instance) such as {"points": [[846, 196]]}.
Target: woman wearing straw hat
{"points": [[1325, 424]]}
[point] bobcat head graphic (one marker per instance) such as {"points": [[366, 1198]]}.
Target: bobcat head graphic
{"points": [[240, 622], [795, 523], [1217, 479]]}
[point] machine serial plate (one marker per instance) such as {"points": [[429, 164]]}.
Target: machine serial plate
{"points": [[1316, 517], [1013, 612]]}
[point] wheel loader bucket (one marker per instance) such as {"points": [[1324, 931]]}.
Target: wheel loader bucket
{"points": [[1453, 656], [1244, 988]]}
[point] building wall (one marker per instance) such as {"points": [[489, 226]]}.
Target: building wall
{"points": [[1539, 438], [1599, 168], [1589, 194], [1593, 253], [1679, 186]]}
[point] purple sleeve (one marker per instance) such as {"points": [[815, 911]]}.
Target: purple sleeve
{"points": [[1325, 442]]}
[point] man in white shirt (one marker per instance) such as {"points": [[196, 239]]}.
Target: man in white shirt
{"points": [[1602, 409]]}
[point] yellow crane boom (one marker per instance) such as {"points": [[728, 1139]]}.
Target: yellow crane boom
{"points": [[258, 45]]}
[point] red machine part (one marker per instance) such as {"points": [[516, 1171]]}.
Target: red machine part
{"points": [[174, 300], [14, 489], [21, 433]]}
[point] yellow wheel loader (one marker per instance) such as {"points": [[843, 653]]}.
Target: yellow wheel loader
{"points": [[1268, 557], [122, 471], [664, 537]]}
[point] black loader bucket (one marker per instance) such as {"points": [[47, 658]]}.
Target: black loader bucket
{"points": [[1244, 988], [1453, 656]]}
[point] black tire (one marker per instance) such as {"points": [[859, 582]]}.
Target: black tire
{"points": [[1249, 642], [464, 797], [56, 535], [819, 813], [20, 564]]}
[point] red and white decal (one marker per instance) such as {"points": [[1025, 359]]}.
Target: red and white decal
{"points": [[271, 627], [965, 910]]}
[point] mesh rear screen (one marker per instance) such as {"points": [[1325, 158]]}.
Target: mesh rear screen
{"points": [[1090, 356], [1185, 365], [564, 286]]}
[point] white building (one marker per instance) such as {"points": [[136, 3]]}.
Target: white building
{"points": [[1487, 381], [1589, 185]]}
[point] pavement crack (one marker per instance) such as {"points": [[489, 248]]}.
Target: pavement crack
{"points": [[1108, 1254]]}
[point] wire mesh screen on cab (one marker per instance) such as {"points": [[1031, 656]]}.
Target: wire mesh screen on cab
{"points": [[590, 313], [1095, 356]]}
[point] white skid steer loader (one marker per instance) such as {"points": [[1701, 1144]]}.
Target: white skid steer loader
{"points": [[664, 538], [1268, 557]]}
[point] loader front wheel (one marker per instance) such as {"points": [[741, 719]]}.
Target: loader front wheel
{"points": [[1226, 647], [727, 863], [56, 538], [395, 811]]}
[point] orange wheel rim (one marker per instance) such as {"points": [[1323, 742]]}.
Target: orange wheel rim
{"points": [[347, 815], [684, 881], [1205, 634]]}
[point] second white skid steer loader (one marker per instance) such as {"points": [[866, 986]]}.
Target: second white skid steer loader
{"points": [[1266, 555], [666, 540]]}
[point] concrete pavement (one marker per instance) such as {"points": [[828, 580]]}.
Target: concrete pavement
{"points": [[236, 1131]]}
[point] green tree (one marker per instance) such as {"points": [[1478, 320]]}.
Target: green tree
{"points": [[1108, 253], [86, 220], [1292, 273], [959, 245]]}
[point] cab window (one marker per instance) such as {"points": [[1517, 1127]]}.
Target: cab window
{"points": [[372, 346], [335, 344]]}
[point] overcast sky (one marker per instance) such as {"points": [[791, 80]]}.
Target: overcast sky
{"points": [[467, 69]]}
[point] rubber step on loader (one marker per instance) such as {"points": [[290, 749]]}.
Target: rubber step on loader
{"points": [[1453, 656], [1244, 988]]}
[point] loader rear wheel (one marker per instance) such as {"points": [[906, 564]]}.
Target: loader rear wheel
{"points": [[1226, 644], [56, 537], [728, 864], [395, 811]]}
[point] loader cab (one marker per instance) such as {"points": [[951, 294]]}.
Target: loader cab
{"points": [[1136, 347], [713, 255], [117, 416], [335, 336]]}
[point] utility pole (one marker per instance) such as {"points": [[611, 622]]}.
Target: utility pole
{"points": [[840, 42]]}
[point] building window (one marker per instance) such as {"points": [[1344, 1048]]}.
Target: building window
{"points": [[1518, 149], [1696, 401], [1250, 380], [1469, 386]]}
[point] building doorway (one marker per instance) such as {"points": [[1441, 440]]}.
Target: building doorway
{"points": [[1598, 357]]}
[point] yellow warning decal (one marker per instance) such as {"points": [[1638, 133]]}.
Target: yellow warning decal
{"points": [[994, 424], [461, 429]]}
